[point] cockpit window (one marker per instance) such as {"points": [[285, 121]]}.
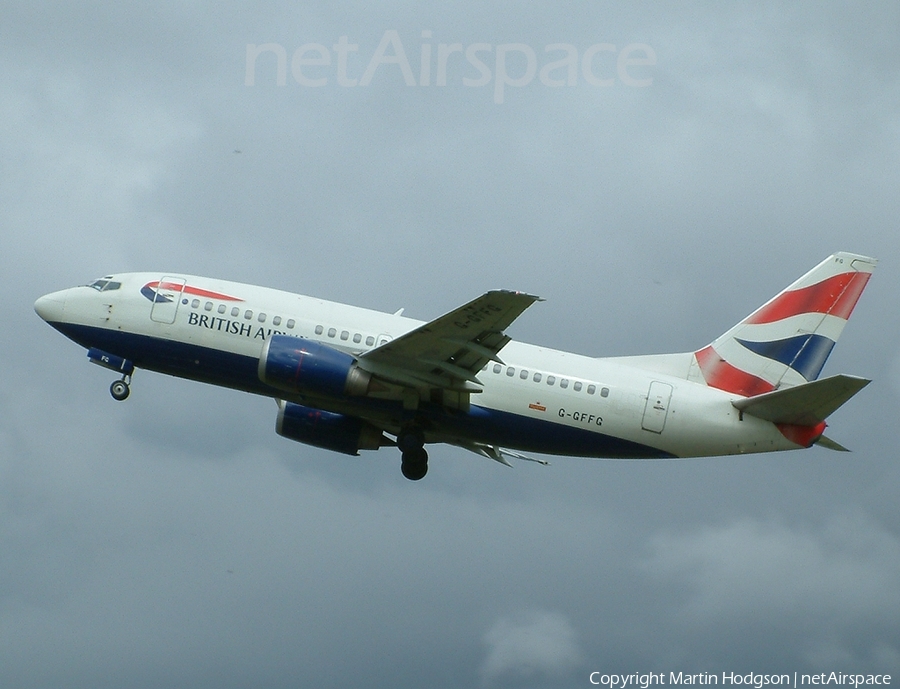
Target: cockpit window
{"points": [[105, 285]]}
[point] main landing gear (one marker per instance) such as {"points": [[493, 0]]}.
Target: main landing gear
{"points": [[414, 458]]}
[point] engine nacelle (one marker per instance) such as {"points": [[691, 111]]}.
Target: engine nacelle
{"points": [[298, 365], [330, 431]]}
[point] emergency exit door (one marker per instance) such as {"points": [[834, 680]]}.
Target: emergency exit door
{"points": [[657, 407]]}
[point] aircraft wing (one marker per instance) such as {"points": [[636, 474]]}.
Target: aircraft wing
{"points": [[449, 351]]}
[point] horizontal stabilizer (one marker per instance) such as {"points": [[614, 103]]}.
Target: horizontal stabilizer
{"points": [[804, 405]]}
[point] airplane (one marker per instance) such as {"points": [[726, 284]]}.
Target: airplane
{"points": [[348, 379]]}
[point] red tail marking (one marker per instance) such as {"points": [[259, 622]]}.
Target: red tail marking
{"points": [[718, 373], [836, 295]]}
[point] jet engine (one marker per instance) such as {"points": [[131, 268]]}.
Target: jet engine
{"points": [[330, 431], [299, 365]]}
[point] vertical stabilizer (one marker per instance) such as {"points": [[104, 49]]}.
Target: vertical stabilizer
{"points": [[786, 341]]}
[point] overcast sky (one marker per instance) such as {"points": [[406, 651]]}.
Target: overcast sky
{"points": [[175, 540]]}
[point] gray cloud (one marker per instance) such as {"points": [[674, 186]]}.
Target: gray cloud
{"points": [[746, 563], [175, 539], [536, 645]]}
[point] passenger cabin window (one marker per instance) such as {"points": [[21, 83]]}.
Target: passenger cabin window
{"points": [[563, 382], [208, 306], [604, 392], [248, 314], [357, 338], [319, 330], [497, 368], [276, 321], [591, 389], [345, 335], [290, 324], [195, 304], [551, 380], [370, 340], [577, 386], [332, 332], [524, 375], [510, 371], [235, 311], [221, 308], [537, 377], [262, 318]]}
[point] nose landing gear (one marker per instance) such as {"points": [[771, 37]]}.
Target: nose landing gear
{"points": [[120, 389]]}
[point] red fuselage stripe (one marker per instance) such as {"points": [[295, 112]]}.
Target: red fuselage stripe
{"points": [[194, 291]]}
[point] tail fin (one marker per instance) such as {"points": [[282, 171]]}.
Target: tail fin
{"points": [[786, 341]]}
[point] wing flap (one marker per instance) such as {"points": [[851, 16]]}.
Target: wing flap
{"points": [[803, 405], [499, 454]]}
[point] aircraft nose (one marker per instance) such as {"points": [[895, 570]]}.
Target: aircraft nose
{"points": [[50, 307]]}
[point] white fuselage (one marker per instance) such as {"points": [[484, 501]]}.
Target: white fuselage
{"points": [[538, 399]]}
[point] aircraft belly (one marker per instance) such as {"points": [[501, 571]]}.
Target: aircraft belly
{"points": [[205, 364], [529, 434]]}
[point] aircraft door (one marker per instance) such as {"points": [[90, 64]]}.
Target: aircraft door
{"points": [[657, 407], [166, 298]]}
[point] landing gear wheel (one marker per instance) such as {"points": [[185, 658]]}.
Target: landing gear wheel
{"points": [[414, 464], [119, 390], [410, 440]]}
